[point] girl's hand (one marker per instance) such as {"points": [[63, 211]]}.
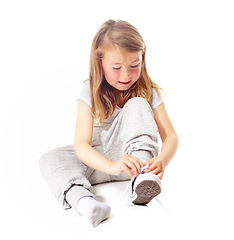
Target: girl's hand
{"points": [[156, 166], [128, 164]]}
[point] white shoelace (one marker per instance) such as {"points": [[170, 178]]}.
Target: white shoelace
{"points": [[144, 167]]}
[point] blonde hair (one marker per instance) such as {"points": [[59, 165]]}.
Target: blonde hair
{"points": [[126, 37]]}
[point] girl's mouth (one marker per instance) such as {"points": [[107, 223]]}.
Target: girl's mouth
{"points": [[124, 83]]}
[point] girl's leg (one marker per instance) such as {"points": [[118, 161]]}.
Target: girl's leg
{"points": [[136, 131], [140, 132], [67, 177], [133, 132], [62, 170]]}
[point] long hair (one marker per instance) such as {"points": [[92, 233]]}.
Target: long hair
{"points": [[126, 37]]}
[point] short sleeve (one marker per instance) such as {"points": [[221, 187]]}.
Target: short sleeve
{"points": [[157, 100], [85, 93]]}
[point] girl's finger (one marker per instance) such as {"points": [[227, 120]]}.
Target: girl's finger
{"points": [[138, 164], [156, 171], [132, 167], [160, 175], [136, 160], [152, 166], [127, 170]]}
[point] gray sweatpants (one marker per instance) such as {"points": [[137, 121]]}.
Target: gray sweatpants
{"points": [[132, 132]]}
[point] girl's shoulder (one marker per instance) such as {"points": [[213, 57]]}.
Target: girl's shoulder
{"points": [[85, 93], [158, 98]]}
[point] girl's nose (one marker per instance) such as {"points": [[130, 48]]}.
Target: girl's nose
{"points": [[126, 73]]}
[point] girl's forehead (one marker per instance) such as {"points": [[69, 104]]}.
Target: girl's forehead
{"points": [[120, 56]]}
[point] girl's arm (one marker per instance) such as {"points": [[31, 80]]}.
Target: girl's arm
{"points": [[169, 140], [83, 139], [89, 156]]}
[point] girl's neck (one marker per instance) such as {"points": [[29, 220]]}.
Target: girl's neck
{"points": [[120, 98], [120, 101]]}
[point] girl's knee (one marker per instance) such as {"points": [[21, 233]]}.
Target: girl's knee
{"points": [[53, 156], [136, 102], [48, 160], [44, 160], [137, 105]]}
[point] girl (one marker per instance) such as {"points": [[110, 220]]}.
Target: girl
{"points": [[120, 112]]}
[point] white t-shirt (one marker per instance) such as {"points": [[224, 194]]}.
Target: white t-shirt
{"points": [[97, 129]]}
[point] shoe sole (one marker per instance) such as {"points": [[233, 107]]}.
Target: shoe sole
{"points": [[146, 191]]}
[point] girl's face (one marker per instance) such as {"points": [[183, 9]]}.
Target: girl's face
{"points": [[121, 69]]}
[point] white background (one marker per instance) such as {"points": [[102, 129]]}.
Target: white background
{"points": [[44, 55]]}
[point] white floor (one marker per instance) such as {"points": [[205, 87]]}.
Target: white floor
{"points": [[44, 59], [191, 206]]}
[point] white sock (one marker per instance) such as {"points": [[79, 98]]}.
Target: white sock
{"points": [[93, 210]]}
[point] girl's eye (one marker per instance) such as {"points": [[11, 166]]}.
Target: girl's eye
{"points": [[116, 68], [131, 67], [135, 66]]}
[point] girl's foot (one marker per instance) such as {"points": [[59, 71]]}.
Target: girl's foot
{"points": [[94, 211], [145, 187]]}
